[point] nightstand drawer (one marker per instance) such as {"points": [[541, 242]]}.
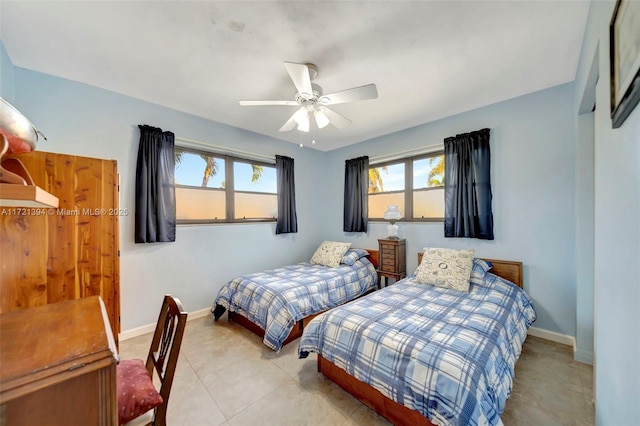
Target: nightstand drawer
{"points": [[389, 267], [388, 251], [388, 257]]}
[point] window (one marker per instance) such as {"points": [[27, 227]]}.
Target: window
{"points": [[415, 185], [213, 187]]}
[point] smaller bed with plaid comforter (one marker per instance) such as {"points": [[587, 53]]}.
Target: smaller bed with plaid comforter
{"points": [[276, 299], [446, 354]]}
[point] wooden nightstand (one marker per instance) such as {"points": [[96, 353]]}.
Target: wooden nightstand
{"points": [[393, 260]]}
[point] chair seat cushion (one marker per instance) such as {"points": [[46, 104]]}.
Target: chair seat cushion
{"points": [[136, 392]]}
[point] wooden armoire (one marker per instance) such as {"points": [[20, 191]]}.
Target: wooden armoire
{"points": [[48, 255]]}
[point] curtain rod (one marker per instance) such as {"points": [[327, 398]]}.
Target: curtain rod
{"points": [[192, 143], [404, 154]]}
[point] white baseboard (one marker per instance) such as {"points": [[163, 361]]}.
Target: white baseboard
{"points": [[578, 355], [199, 314], [135, 332], [581, 356], [584, 356], [553, 336], [149, 328]]}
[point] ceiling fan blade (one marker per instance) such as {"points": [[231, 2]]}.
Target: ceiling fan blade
{"points": [[263, 103], [361, 93], [299, 74], [336, 119], [290, 124]]}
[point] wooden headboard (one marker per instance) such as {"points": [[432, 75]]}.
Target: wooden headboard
{"points": [[374, 257], [507, 269]]}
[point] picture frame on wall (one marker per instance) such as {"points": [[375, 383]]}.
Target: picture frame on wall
{"points": [[624, 52]]}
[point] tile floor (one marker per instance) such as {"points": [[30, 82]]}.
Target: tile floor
{"points": [[226, 376]]}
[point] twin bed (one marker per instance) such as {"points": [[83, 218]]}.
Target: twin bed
{"points": [[418, 354], [422, 355], [276, 304]]}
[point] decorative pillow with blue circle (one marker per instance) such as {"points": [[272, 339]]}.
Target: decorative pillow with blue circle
{"points": [[447, 268]]}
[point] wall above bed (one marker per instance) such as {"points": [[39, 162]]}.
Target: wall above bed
{"points": [[533, 184], [79, 119]]}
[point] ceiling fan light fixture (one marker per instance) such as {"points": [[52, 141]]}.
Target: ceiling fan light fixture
{"points": [[303, 126], [311, 99], [301, 116], [321, 119]]}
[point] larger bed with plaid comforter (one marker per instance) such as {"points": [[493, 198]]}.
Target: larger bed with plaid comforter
{"points": [[276, 299], [449, 355]]}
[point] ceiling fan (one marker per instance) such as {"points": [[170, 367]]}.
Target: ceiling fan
{"points": [[312, 102]]}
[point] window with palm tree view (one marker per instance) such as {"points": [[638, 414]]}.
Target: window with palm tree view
{"points": [[220, 188], [415, 185]]}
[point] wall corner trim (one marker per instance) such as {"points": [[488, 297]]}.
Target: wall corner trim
{"points": [[583, 356]]}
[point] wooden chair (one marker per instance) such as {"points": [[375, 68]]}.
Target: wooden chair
{"points": [[137, 395]]}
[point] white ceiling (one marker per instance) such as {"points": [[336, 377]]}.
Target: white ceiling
{"points": [[429, 59]]}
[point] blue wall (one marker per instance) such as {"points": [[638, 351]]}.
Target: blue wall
{"points": [[617, 235], [83, 120], [533, 184], [533, 172], [6, 75], [585, 236]]}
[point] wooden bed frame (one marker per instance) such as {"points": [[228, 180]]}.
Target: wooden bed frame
{"points": [[397, 413], [298, 326]]}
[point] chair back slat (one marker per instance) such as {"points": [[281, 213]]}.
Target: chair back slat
{"points": [[166, 341], [164, 350]]}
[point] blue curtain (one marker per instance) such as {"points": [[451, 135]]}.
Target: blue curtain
{"points": [[155, 216], [467, 186], [287, 217], [356, 193]]}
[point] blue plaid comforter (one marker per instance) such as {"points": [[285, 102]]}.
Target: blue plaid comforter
{"points": [[446, 354], [276, 299]]}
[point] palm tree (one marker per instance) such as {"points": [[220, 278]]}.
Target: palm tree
{"points": [[257, 172], [375, 179], [211, 168], [436, 174], [255, 176], [178, 156]]}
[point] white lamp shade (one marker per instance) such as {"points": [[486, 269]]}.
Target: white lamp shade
{"points": [[392, 213], [304, 126], [302, 118], [321, 119]]}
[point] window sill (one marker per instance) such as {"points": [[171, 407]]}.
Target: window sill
{"points": [[426, 220], [221, 222]]}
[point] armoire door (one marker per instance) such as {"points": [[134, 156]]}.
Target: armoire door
{"points": [[50, 255]]}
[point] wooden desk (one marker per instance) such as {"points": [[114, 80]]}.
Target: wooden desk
{"points": [[58, 365]]}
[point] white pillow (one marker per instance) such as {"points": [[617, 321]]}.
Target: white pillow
{"points": [[446, 268], [330, 253]]}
